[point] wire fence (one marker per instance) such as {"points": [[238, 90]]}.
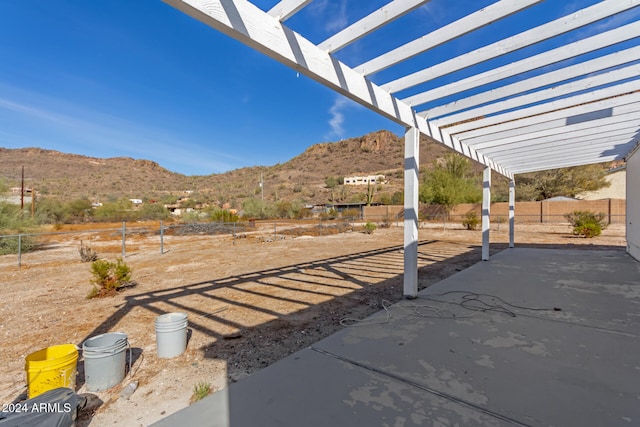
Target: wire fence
{"points": [[119, 240]]}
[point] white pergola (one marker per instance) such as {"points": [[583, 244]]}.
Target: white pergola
{"points": [[564, 92]]}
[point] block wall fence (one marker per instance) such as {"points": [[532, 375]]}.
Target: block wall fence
{"points": [[529, 212]]}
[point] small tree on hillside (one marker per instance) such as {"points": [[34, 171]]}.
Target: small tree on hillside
{"points": [[331, 182]]}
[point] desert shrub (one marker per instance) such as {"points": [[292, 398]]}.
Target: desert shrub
{"points": [[153, 211], [586, 224], [223, 215], [351, 213], [387, 220], [10, 244], [109, 277], [13, 221], [191, 216], [369, 227], [331, 181], [332, 213], [470, 221], [201, 390], [254, 208], [120, 210], [288, 209], [86, 253]]}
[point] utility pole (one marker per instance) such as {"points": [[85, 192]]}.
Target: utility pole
{"points": [[22, 190]]}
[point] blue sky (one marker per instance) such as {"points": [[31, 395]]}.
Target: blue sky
{"points": [[141, 79]]}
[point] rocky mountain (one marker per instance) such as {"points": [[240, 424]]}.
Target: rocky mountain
{"points": [[71, 176]]}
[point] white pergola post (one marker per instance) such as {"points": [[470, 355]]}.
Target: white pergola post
{"points": [[411, 166], [512, 208], [486, 207]]}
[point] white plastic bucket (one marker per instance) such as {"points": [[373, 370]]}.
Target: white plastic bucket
{"points": [[171, 334], [104, 360]]}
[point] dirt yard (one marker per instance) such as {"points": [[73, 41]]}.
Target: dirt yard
{"points": [[250, 301]]}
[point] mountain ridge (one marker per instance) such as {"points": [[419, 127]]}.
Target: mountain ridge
{"points": [[70, 176]]}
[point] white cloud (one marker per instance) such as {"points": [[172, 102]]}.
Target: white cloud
{"points": [[338, 19], [80, 130], [337, 117], [335, 13]]}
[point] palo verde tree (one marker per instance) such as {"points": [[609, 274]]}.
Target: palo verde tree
{"points": [[450, 182], [560, 182]]}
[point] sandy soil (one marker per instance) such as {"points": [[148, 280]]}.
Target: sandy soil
{"points": [[249, 302]]}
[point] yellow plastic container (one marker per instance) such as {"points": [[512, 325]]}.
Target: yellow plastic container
{"points": [[50, 368]]}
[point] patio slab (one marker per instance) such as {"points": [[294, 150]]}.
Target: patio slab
{"points": [[535, 337]]}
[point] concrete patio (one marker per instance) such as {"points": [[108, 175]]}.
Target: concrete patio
{"points": [[535, 337]]}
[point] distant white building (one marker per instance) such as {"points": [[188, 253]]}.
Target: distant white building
{"points": [[136, 201], [364, 180]]}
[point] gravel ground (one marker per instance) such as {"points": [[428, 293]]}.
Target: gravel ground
{"points": [[250, 301]]}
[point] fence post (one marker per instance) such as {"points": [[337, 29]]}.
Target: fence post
{"points": [[124, 233], [274, 232], [161, 238], [19, 250]]}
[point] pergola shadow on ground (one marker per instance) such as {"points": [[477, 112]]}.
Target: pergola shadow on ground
{"points": [[271, 307], [533, 337]]}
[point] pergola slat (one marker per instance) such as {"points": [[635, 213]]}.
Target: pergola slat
{"points": [[621, 90], [568, 145], [541, 135], [535, 83], [527, 38], [369, 23], [573, 160], [609, 77], [558, 125], [530, 63], [444, 34], [285, 9], [618, 103]]}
